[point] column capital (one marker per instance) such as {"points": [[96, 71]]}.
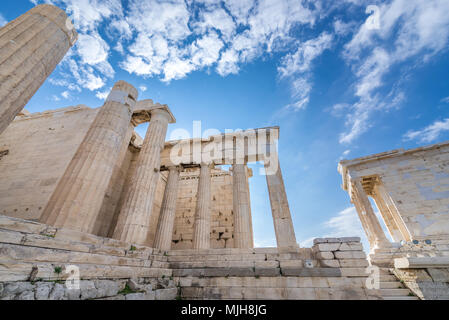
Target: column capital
{"points": [[124, 93], [146, 110]]}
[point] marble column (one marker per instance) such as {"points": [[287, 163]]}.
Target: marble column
{"points": [[386, 216], [202, 225], [379, 236], [164, 233], [283, 224], [133, 224], [362, 217], [241, 208], [106, 216], [30, 48], [77, 199], [391, 206]]}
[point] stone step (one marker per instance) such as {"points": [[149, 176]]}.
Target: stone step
{"points": [[231, 251], [36, 254], [391, 285], [21, 271], [401, 298], [387, 278], [42, 241], [31, 227], [394, 292], [257, 272], [241, 257], [252, 293], [226, 264], [270, 282]]}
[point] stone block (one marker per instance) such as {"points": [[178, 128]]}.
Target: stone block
{"points": [[88, 290], [345, 263], [135, 296], [57, 293], [326, 247], [325, 255], [271, 293], [350, 239], [43, 290], [351, 247], [354, 272], [107, 288], [267, 264], [300, 293], [329, 263], [350, 255], [268, 272], [26, 295], [292, 264], [312, 272], [439, 275]]}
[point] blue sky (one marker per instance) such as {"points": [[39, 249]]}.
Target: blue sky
{"points": [[340, 80]]}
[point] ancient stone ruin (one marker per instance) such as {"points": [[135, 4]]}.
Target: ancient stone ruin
{"points": [[91, 210]]}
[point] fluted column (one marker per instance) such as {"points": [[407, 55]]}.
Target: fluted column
{"points": [[378, 234], [241, 208], [30, 48], [164, 233], [202, 225], [282, 219], [77, 199], [134, 219], [362, 217]]}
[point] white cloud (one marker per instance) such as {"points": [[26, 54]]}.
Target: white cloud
{"points": [[143, 88], [65, 94], [445, 100], [85, 76], [301, 88], [345, 154], [297, 65], [228, 63], [408, 29], [429, 133], [342, 28], [301, 60], [217, 19], [177, 68], [240, 9], [345, 223], [168, 19], [92, 49], [3, 21], [102, 95], [206, 51]]}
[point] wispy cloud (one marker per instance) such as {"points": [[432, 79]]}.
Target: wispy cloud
{"points": [[297, 66], [429, 133], [408, 29], [3, 21], [169, 40], [343, 224]]}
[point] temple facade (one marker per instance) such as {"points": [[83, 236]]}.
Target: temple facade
{"points": [[91, 210], [174, 213]]}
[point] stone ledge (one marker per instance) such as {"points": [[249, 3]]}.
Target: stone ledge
{"points": [[336, 240], [311, 272], [421, 262]]}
